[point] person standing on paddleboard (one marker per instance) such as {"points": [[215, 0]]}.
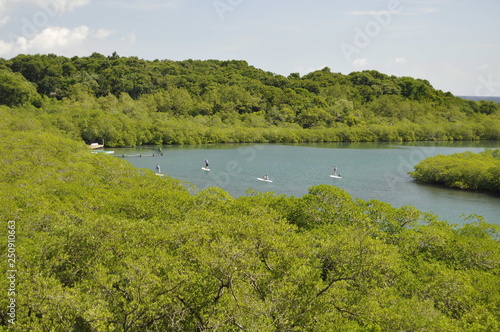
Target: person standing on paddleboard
{"points": [[206, 163]]}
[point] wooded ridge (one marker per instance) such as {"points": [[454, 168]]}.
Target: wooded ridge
{"points": [[126, 101]]}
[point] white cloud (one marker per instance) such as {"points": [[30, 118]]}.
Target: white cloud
{"points": [[56, 39], [5, 48], [360, 62], [400, 60], [50, 40], [20, 46], [103, 34]]}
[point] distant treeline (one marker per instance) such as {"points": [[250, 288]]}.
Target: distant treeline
{"points": [[462, 170], [131, 101]]}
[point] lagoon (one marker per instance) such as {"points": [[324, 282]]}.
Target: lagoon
{"points": [[369, 171]]}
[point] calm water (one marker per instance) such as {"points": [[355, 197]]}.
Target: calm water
{"points": [[496, 99], [368, 170]]}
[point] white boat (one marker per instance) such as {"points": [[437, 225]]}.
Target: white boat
{"points": [[206, 169], [96, 146], [265, 180], [103, 151]]}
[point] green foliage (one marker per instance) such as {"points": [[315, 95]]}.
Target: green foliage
{"points": [[16, 90], [462, 170], [131, 101], [102, 246]]}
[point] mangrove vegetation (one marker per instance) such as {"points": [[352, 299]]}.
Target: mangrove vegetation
{"points": [[98, 245], [127, 101], [466, 170], [93, 244]]}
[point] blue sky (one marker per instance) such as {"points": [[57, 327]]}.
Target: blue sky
{"points": [[455, 45]]}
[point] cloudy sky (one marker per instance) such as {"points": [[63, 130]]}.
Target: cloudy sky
{"points": [[455, 44]]}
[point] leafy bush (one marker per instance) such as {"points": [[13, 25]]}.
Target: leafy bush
{"points": [[462, 170]]}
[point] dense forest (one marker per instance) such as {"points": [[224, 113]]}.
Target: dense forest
{"points": [[98, 245], [462, 170], [127, 101], [93, 244]]}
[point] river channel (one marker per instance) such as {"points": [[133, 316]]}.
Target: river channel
{"points": [[369, 171]]}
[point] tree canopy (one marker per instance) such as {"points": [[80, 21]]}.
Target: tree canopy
{"points": [[131, 101], [103, 246], [462, 170]]}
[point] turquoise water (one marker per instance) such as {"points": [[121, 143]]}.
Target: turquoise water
{"points": [[369, 171]]}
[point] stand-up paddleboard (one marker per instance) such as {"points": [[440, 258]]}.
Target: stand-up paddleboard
{"points": [[160, 174], [336, 176], [261, 179], [206, 169]]}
